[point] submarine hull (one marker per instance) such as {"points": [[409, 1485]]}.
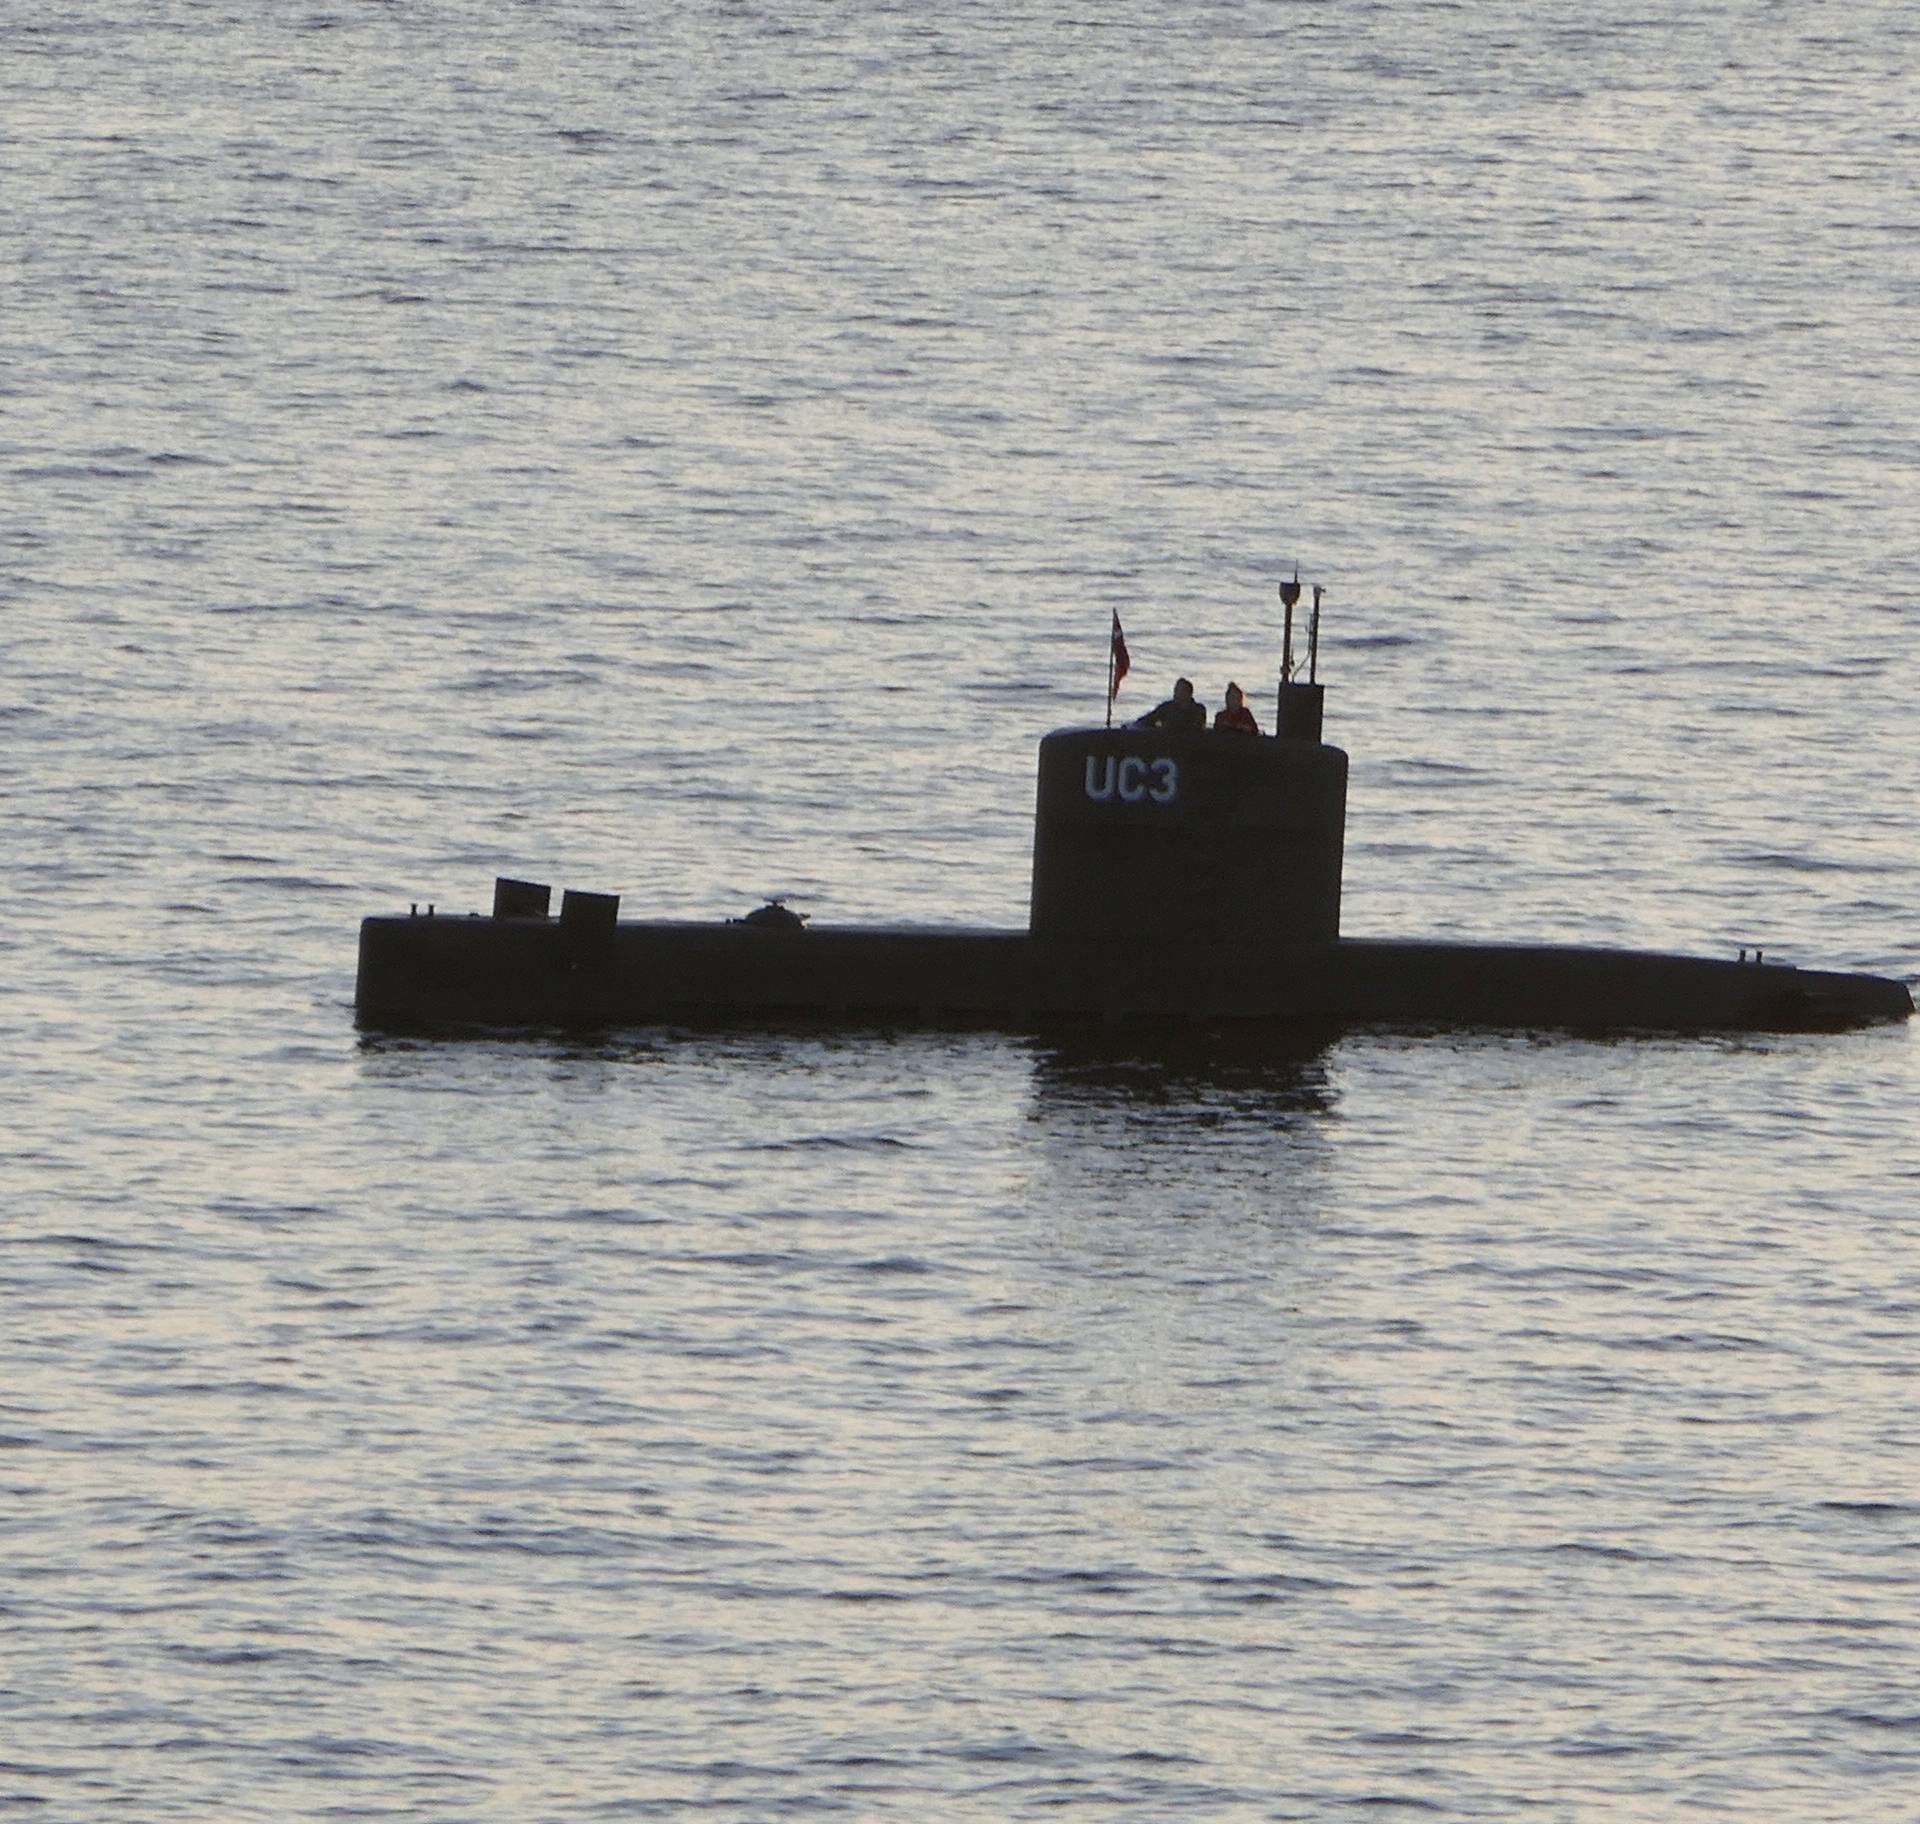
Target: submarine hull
{"points": [[438, 972]]}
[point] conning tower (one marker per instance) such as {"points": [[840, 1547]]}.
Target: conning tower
{"points": [[1148, 836]]}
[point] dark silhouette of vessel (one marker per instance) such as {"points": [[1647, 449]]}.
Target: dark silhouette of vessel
{"points": [[1179, 879]]}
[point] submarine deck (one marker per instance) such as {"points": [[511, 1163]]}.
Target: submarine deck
{"points": [[440, 971]]}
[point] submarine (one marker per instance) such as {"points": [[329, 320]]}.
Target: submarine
{"points": [[1182, 878]]}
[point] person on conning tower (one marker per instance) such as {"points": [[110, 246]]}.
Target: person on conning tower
{"points": [[1181, 710], [1236, 718]]}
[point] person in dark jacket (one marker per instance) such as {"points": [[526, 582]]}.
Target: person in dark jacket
{"points": [[1181, 710]]}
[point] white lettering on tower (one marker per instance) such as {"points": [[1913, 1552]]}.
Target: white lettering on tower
{"points": [[1131, 779]]}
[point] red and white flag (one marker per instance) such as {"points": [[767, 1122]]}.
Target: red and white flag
{"points": [[1118, 664]]}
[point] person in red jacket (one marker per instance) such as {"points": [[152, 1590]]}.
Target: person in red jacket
{"points": [[1236, 716]]}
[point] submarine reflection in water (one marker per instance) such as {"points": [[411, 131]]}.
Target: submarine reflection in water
{"points": [[1179, 878]]}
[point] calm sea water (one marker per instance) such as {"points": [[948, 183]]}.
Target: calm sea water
{"points": [[695, 453]]}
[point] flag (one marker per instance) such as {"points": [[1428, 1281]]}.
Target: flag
{"points": [[1118, 664]]}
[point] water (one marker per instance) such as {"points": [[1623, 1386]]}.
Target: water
{"points": [[696, 457]]}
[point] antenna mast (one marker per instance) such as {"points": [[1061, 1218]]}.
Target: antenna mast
{"points": [[1289, 596]]}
